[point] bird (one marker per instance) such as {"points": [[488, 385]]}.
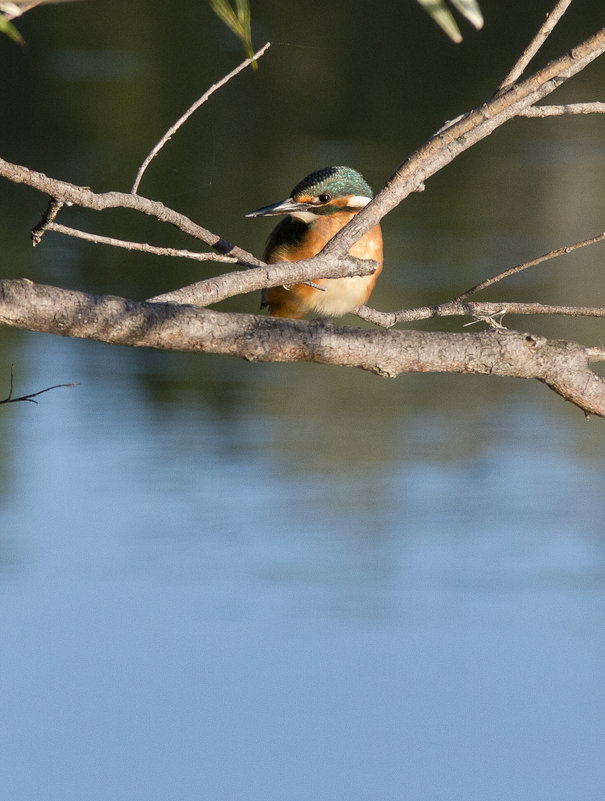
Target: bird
{"points": [[318, 207]]}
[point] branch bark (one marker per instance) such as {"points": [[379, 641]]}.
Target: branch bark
{"points": [[567, 109], [478, 310], [561, 365]]}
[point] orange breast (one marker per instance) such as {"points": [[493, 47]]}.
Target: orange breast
{"points": [[341, 294]]}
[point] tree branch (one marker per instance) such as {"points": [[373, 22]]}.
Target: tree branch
{"points": [[141, 246], [478, 310], [563, 366], [552, 254], [84, 197], [228, 285], [536, 43], [183, 119], [456, 307], [48, 218], [568, 108], [440, 149], [210, 291]]}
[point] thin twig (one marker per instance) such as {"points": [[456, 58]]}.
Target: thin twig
{"points": [[121, 243], [157, 251], [472, 308], [30, 398], [535, 44], [553, 254], [568, 108], [200, 101]]}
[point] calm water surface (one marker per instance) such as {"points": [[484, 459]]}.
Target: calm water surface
{"points": [[189, 615], [238, 582]]}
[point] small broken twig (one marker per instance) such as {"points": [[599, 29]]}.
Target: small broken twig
{"points": [[30, 397], [54, 206]]}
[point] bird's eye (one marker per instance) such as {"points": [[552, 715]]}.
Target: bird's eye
{"points": [[325, 198]]}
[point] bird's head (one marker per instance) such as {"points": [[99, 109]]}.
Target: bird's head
{"points": [[324, 191]]}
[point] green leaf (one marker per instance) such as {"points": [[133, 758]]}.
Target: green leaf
{"points": [[9, 29], [443, 17], [469, 9], [238, 20]]}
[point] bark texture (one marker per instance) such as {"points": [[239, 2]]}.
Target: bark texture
{"points": [[564, 366]]}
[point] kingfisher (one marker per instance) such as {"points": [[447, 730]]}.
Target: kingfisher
{"points": [[318, 207]]}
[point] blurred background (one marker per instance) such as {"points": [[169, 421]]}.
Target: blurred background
{"points": [[258, 582]]}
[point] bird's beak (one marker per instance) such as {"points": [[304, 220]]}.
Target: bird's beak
{"points": [[288, 206]]}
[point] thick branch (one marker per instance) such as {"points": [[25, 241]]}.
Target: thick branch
{"points": [[221, 287], [449, 142], [563, 366]]}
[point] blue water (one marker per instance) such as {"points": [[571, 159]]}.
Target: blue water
{"points": [[188, 615]]}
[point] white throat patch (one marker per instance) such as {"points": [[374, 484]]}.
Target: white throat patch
{"points": [[304, 216]]}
